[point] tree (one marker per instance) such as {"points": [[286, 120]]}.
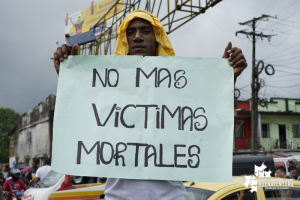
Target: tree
{"points": [[8, 120]]}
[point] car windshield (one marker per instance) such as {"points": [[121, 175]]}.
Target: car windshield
{"points": [[197, 193], [273, 193], [50, 179]]}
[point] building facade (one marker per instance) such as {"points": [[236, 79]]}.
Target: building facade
{"points": [[279, 122], [32, 137]]}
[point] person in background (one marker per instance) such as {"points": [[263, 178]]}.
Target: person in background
{"points": [[14, 184], [292, 164], [280, 172], [23, 177], [2, 180], [295, 174], [1, 192], [6, 172], [43, 171], [31, 172]]}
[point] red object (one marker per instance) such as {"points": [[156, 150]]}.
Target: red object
{"points": [[13, 186], [92, 8], [67, 19], [66, 185], [243, 118]]}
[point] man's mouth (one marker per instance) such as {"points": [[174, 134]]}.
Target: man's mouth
{"points": [[138, 47]]}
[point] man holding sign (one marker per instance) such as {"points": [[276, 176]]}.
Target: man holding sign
{"points": [[141, 33]]}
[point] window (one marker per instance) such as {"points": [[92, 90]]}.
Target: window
{"points": [[296, 131], [247, 196], [198, 193], [239, 130], [265, 128], [281, 193]]}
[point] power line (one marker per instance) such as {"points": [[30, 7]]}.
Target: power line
{"points": [[285, 17], [284, 87], [281, 51], [280, 32], [286, 20], [288, 72], [277, 77], [282, 24], [287, 7], [284, 80], [274, 61], [285, 55]]}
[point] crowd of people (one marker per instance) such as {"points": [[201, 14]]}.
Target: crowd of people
{"points": [[14, 180]]}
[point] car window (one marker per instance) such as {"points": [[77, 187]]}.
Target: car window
{"points": [[198, 193], [50, 179], [247, 195], [282, 193]]}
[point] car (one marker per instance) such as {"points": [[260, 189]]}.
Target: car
{"points": [[226, 191], [61, 186], [283, 162]]}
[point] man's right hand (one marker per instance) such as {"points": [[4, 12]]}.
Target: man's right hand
{"points": [[62, 53]]}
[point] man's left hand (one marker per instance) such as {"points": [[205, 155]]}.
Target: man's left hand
{"points": [[236, 59]]}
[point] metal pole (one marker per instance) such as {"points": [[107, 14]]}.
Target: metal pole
{"points": [[253, 99]]}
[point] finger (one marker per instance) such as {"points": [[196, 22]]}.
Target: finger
{"points": [[74, 50], [236, 59], [237, 71], [241, 63], [60, 56], [234, 53], [228, 47], [56, 66], [55, 58], [65, 50]]}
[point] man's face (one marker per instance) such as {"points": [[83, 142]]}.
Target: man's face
{"points": [[141, 38], [34, 165], [295, 174], [280, 173]]}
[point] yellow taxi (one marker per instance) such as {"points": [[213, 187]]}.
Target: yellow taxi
{"points": [[267, 189]]}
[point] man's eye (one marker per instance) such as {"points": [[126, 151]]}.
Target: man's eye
{"points": [[146, 32], [130, 33]]}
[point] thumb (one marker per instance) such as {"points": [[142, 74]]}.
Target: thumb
{"points": [[228, 47], [74, 50]]}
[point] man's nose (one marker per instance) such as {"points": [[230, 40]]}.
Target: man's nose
{"points": [[138, 36]]}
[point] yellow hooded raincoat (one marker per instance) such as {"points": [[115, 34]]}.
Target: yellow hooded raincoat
{"points": [[164, 45]]}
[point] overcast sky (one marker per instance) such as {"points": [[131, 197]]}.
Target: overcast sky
{"points": [[30, 29]]}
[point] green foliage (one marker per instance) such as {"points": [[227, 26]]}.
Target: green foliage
{"points": [[8, 120], [4, 149]]}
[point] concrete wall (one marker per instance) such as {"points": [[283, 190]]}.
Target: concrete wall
{"points": [[34, 133], [34, 141]]}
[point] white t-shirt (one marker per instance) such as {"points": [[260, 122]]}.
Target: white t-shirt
{"points": [[130, 189], [42, 172]]}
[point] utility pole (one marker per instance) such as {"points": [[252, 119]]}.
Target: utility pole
{"points": [[255, 83]]}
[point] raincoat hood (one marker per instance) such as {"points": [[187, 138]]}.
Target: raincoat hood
{"points": [[164, 45]]}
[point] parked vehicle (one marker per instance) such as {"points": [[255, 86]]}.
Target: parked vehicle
{"points": [[283, 162], [244, 165], [57, 186], [226, 191]]}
